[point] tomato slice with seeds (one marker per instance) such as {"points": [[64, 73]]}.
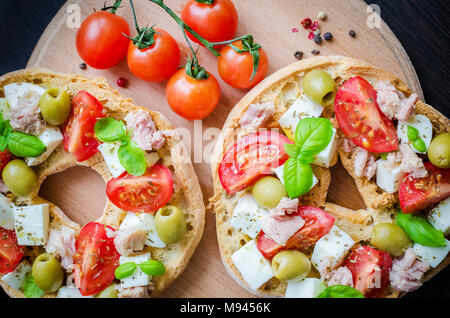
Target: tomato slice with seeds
{"points": [[360, 118], [146, 193], [5, 157], [10, 252], [250, 158], [95, 260], [79, 137]]}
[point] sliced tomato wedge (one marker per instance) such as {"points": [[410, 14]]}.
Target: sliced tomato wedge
{"points": [[317, 223], [416, 194], [370, 270], [360, 118], [10, 252], [95, 260], [250, 158], [79, 138], [5, 157], [146, 193]]}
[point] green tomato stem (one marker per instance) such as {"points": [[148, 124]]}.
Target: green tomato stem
{"points": [[113, 8]]}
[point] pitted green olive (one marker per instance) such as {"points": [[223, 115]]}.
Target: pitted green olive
{"points": [[268, 192], [55, 106], [289, 265], [109, 292], [47, 273], [19, 178], [320, 87], [439, 151], [170, 224], [390, 238]]}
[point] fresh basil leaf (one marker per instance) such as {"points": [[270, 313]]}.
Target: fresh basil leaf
{"points": [[152, 267], [108, 129], [24, 145], [305, 157], [420, 145], [384, 155], [132, 158], [420, 231], [291, 150], [313, 134], [30, 289], [298, 177], [340, 291], [3, 143], [124, 270], [412, 133]]}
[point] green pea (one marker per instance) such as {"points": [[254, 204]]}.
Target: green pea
{"points": [[152, 267], [19, 178], [170, 224], [109, 292], [47, 273], [124, 270], [419, 144], [320, 87], [55, 106]]}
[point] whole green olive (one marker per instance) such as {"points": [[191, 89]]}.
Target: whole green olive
{"points": [[268, 192], [320, 87], [55, 106], [439, 151], [170, 224], [47, 273], [109, 292], [289, 265], [19, 178], [390, 238]]}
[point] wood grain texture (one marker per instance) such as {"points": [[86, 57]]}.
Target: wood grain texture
{"points": [[81, 194]]}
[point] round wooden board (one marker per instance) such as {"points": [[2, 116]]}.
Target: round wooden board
{"points": [[81, 193]]}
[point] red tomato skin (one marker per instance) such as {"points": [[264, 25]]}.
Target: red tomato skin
{"points": [[100, 41], [5, 157], [79, 136], [190, 98], [10, 252], [95, 260], [417, 194], [236, 69], [157, 62], [121, 193], [217, 22], [361, 263], [236, 172], [357, 112]]}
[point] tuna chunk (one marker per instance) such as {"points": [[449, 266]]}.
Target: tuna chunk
{"points": [[348, 145], [286, 206], [62, 243], [407, 272], [135, 292], [143, 130], [411, 163], [256, 115], [281, 228], [129, 240], [25, 116], [393, 103], [364, 163], [340, 276]]}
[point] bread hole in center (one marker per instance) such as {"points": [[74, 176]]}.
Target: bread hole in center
{"points": [[79, 192]]}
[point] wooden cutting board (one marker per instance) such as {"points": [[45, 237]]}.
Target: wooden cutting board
{"points": [[80, 192]]}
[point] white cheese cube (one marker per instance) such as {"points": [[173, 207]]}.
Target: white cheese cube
{"points": [[4, 109], [145, 222], [280, 174], [246, 215], [324, 157], [439, 217], [52, 138], [422, 124], [306, 288], [432, 255], [254, 268], [31, 224], [331, 249], [6, 213], [16, 278], [301, 108], [70, 292], [388, 179], [109, 152], [138, 278], [15, 90]]}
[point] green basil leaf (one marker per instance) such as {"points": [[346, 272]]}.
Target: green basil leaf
{"points": [[412, 133], [313, 134], [3, 143], [125, 270], [420, 231], [291, 150], [420, 145], [152, 267], [132, 158], [298, 177], [384, 155], [30, 289], [109, 130], [340, 291], [24, 145], [305, 157]]}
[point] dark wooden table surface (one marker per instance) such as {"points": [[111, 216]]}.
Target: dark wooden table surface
{"points": [[422, 26]]}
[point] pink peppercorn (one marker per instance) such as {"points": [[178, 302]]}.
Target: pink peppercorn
{"points": [[311, 35], [314, 26], [306, 22], [294, 30], [121, 82]]}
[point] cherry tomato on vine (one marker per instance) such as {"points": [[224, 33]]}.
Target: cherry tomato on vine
{"points": [[100, 41], [236, 68], [216, 22]]}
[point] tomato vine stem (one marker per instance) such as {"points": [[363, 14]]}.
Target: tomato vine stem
{"points": [[145, 37], [112, 8]]}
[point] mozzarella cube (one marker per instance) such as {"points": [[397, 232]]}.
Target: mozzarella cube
{"points": [[138, 278], [51, 137], [422, 124], [323, 158], [280, 174], [6, 213], [439, 217], [301, 108], [4, 109], [109, 152], [145, 222], [246, 215], [31, 224], [15, 90], [331, 249], [306, 288], [388, 179], [254, 268], [70, 292], [432, 255], [16, 278]]}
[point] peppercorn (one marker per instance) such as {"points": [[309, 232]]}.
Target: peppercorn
{"points": [[121, 82], [317, 39], [83, 66], [322, 15], [352, 33], [315, 52], [328, 36], [306, 22], [298, 55]]}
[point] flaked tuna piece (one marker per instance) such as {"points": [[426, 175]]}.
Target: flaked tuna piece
{"points": [[371, 167], [256, 115], [135, 292], [348, 145], [3, 188], [340, 276], [364, 163], [25, 116], [411, 163], [393, 103], [281, 228], [129, 240], [143, 130], [407, 272], [62, 243], [286, 206]]}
